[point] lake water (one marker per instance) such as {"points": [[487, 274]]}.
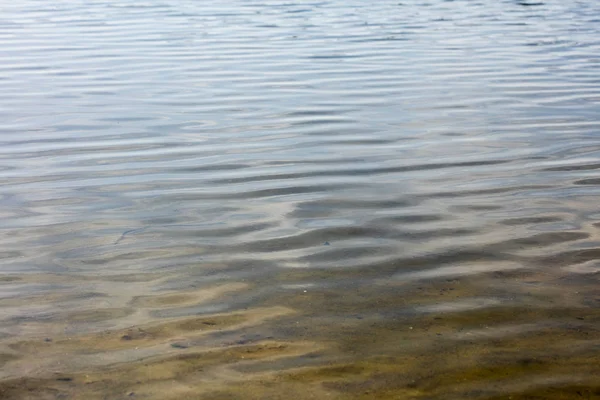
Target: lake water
{"points": [[313, 200]]}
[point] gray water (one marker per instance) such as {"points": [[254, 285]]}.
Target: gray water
{"points": [[378, 187]]}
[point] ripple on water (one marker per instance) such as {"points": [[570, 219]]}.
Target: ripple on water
{"points": [[248, 199]]}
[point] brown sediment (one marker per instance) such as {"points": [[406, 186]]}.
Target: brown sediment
{"points": [[6, 357], [438, 356], [172, 374], [69, 278], [134, 343], [98, 305], [9, 278], [561, 392], [182, 298], [105, 314], [446, 338], [48, 298]]}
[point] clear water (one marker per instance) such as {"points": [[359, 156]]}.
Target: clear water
{"points": [[335, 199]]}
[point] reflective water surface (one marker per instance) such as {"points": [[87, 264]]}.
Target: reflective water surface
{"points": [[327, 199]]}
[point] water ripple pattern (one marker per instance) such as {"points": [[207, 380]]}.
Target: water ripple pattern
{"points": [[363, 166]]}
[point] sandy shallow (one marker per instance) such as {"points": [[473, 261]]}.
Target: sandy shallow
{"points": [[442, 339]]}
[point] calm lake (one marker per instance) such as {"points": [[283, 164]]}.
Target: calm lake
{"points": [[331, 199]]}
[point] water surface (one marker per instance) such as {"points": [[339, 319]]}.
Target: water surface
{"points": [[331, 199]]}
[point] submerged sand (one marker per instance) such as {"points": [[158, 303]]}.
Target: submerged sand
{"points": [[452, 338]]}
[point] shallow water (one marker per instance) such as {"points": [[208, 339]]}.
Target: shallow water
{"points": [[330, 199]]}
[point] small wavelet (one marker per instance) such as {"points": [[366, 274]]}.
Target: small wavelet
{"points": [[248, 199]]}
